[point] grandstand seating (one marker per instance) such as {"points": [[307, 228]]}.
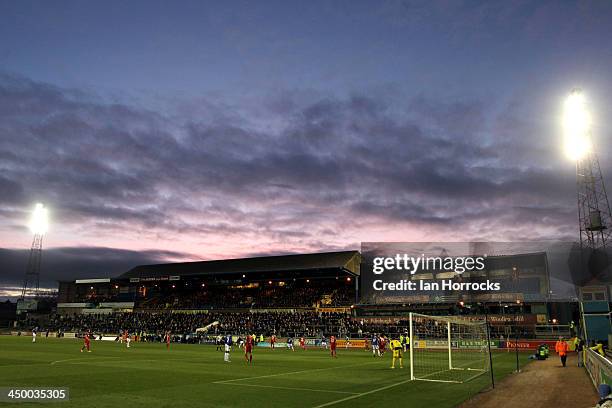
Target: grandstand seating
{"points": [[304, 323], [279, 323], [196, 295]]}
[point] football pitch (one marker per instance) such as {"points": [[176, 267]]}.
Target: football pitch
{"points": [[147, 374]]}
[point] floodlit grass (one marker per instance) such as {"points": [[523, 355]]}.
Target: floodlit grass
{"points": [[196, 376]]}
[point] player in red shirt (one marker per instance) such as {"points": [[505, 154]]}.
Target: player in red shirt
{"points": [[86, 343], [382, 343], [272, 341], [332, 346], [303, 343], [248, 349], [167, 339], [127, 338]]}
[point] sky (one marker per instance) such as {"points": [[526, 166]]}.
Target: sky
{"points": [[187, 130]]}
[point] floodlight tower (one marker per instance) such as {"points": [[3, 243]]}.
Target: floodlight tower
{"points": [[38, 225], [595, 219]]}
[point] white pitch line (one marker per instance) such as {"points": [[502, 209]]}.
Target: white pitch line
{"points": [[291, 372], [327, 404], [288, 388], [79, 359], [460, 365]]}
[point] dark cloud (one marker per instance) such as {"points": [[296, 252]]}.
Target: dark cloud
{"points": [[10, 191], [292, 174], [77, 263]]}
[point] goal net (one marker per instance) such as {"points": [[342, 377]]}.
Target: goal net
{"points": [[447, 349]]}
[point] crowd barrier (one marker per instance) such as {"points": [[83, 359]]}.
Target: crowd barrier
{"points": [[598, 367]]}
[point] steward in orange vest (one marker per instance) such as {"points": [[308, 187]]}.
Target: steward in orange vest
{"points": [[561, 349]]}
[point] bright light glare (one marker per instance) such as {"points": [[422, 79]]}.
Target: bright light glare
{"points": [[577, 126], [39, 222]]}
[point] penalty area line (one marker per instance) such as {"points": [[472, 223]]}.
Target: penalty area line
{"points": [[286, 388], [386, 387], [81, 360], [291, 372]]}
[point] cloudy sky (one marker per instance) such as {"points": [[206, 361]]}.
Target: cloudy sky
{"points": [[160, 131]]}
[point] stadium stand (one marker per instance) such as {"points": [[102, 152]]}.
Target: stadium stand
{"points": [[291, 295], [290, 281]]}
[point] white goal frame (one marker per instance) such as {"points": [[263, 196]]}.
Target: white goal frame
{"points": [[448, 370]]}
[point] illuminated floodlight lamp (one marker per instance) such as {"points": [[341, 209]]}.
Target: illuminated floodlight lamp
{"points": [[40, 220], [576, 126]]}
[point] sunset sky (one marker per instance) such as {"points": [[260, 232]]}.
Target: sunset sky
{"points": [[159, 131]]}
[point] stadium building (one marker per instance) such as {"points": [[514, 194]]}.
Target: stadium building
{"points": [[320, 280]]}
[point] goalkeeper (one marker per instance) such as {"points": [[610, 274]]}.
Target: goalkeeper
{"points": [[396, 347]]}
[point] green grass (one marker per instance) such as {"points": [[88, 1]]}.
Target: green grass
{"points": [[197, 376]]}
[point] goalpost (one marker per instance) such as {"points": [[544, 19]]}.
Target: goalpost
{"points": [[447, 349]]}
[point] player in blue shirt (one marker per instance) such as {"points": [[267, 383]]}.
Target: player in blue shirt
{"points": [[375, 350], [228, 348]]}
